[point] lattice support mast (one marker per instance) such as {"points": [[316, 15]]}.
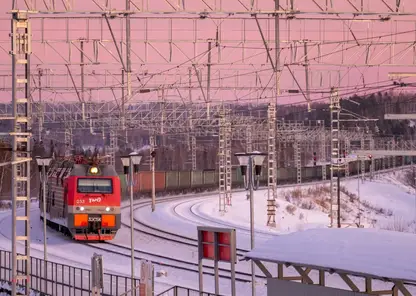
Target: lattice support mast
{"points": [[112, 148], [249, 139], [193, 152], [347, 149], [323, 152], [363, 161], [272, 166], [372, 166], [335, 153], [152, 143], [221, 162], [68, 142], [297, 155], [228, 164], [21, 51]]}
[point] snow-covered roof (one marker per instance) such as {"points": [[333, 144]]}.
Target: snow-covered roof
{"points": [[379, 253]]}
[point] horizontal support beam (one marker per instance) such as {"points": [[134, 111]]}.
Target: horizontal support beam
{"points": [[375, 153], [380, 15], [26, 159], [400, 116]]}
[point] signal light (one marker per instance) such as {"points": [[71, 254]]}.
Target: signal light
{"points": [[314, 158]]}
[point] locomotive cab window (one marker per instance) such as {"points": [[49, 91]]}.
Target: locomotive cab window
{"points": [[95, 186]]}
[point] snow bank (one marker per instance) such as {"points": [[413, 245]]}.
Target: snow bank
{"points": [[386, 254]]}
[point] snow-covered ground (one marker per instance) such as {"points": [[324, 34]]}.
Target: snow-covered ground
{"points": [[383, 203], [379, 203]]}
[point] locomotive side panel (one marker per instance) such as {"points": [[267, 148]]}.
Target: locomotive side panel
{"points": [[55, 203]]}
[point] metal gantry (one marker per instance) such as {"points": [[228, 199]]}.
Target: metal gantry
{"points": [[21, 51], [271, 166], [335, 109]]}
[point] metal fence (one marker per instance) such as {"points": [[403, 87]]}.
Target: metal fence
{"points": [[180, 291], [61, 279], [65, 280]]}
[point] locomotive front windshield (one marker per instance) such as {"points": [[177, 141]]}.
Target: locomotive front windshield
{"points": [[95, 186]]}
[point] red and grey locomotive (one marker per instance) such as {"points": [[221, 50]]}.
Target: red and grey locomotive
{"points": [[83, 198]]}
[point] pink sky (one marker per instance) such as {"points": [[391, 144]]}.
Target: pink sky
{"points": [[167, 45]]}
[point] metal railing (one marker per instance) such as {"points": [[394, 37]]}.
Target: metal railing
{"points": [[66, 280], [63, 280], [180, 291]]}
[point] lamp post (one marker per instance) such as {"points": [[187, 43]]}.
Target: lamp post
{"points": [[43, 166], [247, 160], [131, 165]]}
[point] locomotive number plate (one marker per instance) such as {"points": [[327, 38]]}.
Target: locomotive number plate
{"points": [[94, 219]]}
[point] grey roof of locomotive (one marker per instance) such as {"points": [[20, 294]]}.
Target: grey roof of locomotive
{"points": [[82, 170]]}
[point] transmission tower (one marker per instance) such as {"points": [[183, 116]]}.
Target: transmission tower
{"points": [[21, 51]]}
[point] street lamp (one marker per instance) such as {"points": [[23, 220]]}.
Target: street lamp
{"points": [[244, 159], [249, 159], [43, 166], [131, 165]]}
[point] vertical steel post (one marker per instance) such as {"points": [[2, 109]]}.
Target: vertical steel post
{"points": [[131, 172], [253, 267], [152, 160], [128, 64], [40, 110], [20, 52], [45, 252]]}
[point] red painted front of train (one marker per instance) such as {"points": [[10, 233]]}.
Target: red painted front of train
{"points": [[93, 200]]}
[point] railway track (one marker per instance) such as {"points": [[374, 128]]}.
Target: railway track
{"points": [[168, 261]]}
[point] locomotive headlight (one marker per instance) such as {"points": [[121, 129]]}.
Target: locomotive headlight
{"points": [[93, 170], [81, 209], [107, 209]]}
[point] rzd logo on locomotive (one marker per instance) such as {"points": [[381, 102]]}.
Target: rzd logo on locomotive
{"points": [[93, 200]]}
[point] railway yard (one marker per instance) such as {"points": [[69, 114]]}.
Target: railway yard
{"points": [[207, 147]]}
